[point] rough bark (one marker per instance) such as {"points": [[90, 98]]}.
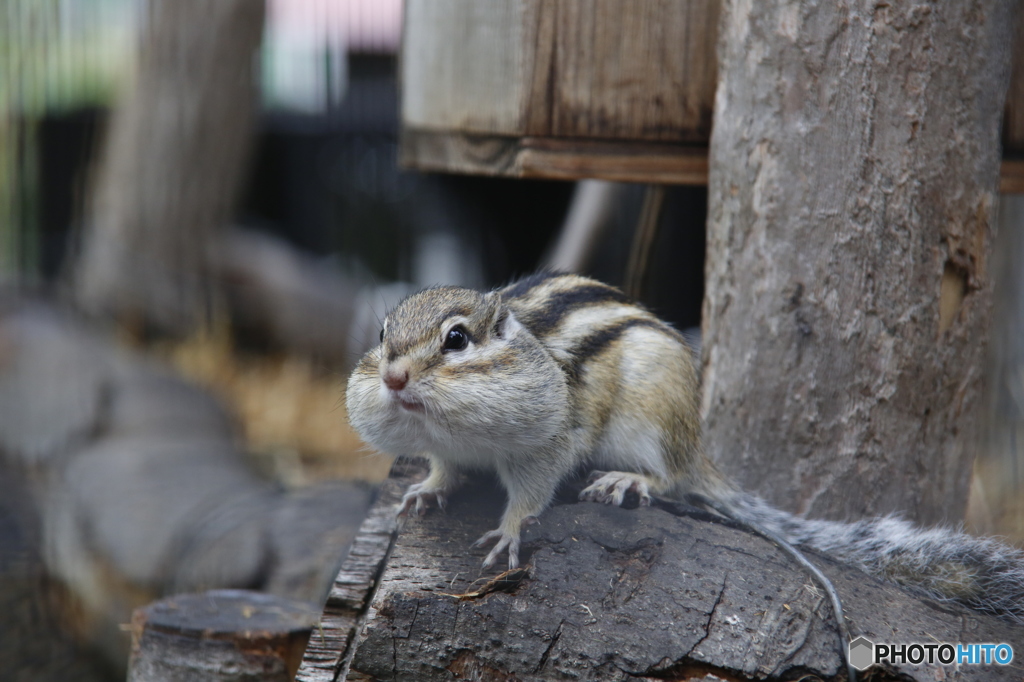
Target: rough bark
{"points": [[608, 594], [171, 164], [852, 196]]}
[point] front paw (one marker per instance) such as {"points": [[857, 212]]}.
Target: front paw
{"points": [[419, 496], [505, 541]]}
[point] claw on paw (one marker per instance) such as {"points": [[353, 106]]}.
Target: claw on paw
{"points": [[611, 488], [418, 497], [504, 541]]}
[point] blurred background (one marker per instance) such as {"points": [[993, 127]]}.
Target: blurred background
{"points": [[202, 222]]}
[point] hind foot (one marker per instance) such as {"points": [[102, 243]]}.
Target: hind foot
{"points": [[611, 487]]}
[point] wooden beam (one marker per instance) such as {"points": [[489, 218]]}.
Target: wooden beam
{"points": [[573, 159], [1011, 176], [554, 158]]}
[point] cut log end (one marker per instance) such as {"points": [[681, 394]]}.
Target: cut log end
{"points": [[219, 635]]}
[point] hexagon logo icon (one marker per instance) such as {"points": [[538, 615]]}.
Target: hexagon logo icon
{"points": [[862, 652]]}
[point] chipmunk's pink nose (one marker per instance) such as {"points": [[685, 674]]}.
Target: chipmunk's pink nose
{"points": [[396, 379]]}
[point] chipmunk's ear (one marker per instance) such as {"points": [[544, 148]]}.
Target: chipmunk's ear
{"points": [[503, 322]]}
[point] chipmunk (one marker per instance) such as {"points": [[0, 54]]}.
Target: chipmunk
{"points": [[555, 372]]}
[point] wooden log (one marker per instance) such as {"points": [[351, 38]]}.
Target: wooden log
{"points": [[219, 636], [615, 594]]}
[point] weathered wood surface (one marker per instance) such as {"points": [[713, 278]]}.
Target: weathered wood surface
{"points": [[609, 69], [851, 211], [553, 158], [616, 89], [219, 636], [356, 581], [615, 594], [482, 82]]}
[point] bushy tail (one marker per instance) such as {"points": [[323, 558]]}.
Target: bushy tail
{"points": [[948, 565]]}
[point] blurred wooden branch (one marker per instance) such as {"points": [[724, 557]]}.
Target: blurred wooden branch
{"points": [[590, 213]]}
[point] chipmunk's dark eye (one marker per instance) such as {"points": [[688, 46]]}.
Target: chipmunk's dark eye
{"points": [[457, 339], [382, 334]]}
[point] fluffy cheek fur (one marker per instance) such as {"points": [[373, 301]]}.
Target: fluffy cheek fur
{"points": [[377, 422], [497, 413], [474, 410]]}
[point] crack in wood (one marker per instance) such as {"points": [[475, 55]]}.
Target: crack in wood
{"points": [[551, 645], [711, 614]]}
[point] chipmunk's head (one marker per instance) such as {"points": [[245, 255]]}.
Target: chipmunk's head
{"points": [[455, 371]]}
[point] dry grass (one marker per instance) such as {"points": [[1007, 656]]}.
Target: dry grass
{"points": [[292, 413]]}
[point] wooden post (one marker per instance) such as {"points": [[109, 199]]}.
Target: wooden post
{"points": [[219, 636], [852, 199]]}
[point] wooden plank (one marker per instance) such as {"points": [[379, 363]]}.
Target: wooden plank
{"points": [[554, 159], [344, 612], [462, 65], [631, 70], [610, 69], [652, 163]]}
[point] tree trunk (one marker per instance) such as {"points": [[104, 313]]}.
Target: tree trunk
{"points": [[172, 164], [852, 198]]}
